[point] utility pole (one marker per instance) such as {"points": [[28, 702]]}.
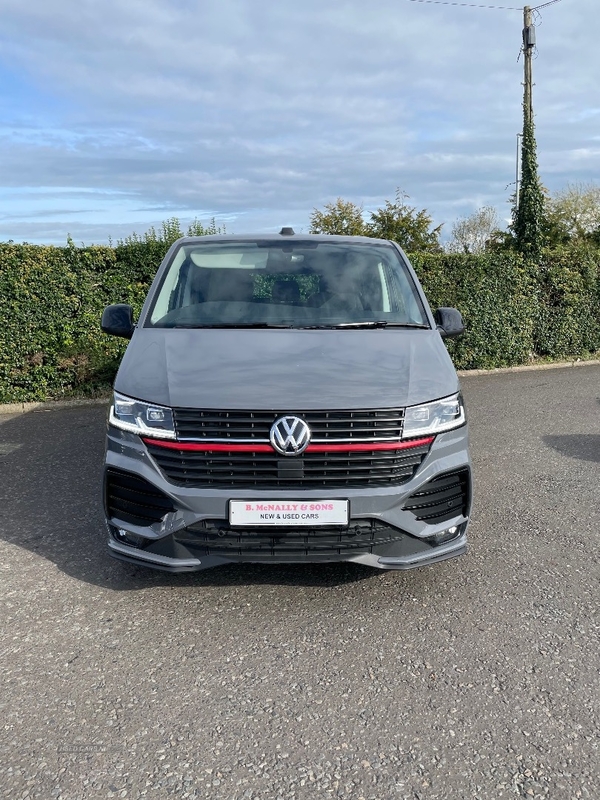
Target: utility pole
{"points": [[528, 209], [528, 48], [528, 212]]}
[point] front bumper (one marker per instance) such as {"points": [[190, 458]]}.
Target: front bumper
{"points": [[195, 533], [422, 555]]}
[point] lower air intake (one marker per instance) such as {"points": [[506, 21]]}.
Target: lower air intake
{"points": [[441, 499], [134, 500], [218, 537]]}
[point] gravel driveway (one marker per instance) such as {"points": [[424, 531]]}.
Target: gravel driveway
{"points": [[475, 678]]}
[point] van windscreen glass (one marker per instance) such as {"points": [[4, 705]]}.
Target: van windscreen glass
{"points": [[300, 284]]}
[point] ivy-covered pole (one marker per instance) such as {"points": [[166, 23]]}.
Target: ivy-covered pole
{"points": [[529, 212]]}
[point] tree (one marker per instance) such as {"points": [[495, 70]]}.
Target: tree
{"points": [[529, 220], [405, 225], [170, 231], [196, 228], [473, 234], [342, 218], [396, 221], [574, 213], [595, 237]]}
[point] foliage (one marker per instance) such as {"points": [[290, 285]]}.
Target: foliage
{"points": [[51, 300], [529, 218], [475, 233], [403, 224], [263, 284], [342, 218], [497, 296], [516, 310], [396, 221], [170, 231], [196, 228], [574, 214], [568, 318]]}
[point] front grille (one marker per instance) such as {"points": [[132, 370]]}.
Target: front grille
{"points": [[217, 537], [441, 499], [134, 500], [268, 470], [371, 425]]}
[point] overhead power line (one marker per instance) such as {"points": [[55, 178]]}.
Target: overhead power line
{"points": [[528, 48], [467, 5], [479, 5]]}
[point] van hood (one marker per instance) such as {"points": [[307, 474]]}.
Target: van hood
{"points": [[286, 370]]}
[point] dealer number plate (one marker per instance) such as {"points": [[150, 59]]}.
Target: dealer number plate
{"points": [[290, 512]]}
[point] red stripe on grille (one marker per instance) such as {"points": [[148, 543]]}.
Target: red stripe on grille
{"points": [[365, 446], [209, 447]]}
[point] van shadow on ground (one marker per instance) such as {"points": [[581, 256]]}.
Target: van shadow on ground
{"points": [[50, 493], [583, 446]]}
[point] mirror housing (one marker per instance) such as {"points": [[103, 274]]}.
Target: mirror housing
{"points": [[117, 320], [449, 322]]}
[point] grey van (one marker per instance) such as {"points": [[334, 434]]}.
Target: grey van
{"points": [[286, 398]]}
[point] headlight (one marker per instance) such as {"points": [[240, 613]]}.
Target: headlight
{"points": [[441, 415], [141, 418]]}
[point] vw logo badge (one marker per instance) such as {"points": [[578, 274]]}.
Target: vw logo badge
{"points": [[290, 436]]}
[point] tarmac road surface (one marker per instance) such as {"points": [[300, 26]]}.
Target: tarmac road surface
{"points": [[474, 678]]}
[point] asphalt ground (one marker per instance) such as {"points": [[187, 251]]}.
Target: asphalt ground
{"points": [[474, 678]]}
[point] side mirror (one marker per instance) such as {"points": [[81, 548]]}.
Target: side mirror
{"points": [[449, 322], [117, 320]]}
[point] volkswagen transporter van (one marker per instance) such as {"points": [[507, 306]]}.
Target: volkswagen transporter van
{"points": [[286, 398]]}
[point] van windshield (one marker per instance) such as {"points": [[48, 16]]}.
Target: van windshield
{"points": [[300, 284]]}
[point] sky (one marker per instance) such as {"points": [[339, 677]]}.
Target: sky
{"points": [[118, 114]]}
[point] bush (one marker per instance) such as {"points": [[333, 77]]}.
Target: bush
{"points": [[498, 297], [568, 318], [51, 300]]}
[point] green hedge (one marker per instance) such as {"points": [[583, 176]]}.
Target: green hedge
{"points": [[498, 297], [51, 300], [568, 315]]}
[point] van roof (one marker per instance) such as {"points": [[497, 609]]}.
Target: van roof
{"points": [[261, 237]]}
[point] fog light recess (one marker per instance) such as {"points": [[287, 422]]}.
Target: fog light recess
{"points": [[447, 535], [126, 537]]}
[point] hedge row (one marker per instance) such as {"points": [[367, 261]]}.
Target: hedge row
{"points": [[51, 300], [517, 312]]}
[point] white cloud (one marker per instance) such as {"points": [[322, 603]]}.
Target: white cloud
{"points": [[257, 111]]}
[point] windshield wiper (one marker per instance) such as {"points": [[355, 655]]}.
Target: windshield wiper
{"points": [[381, 323]]}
